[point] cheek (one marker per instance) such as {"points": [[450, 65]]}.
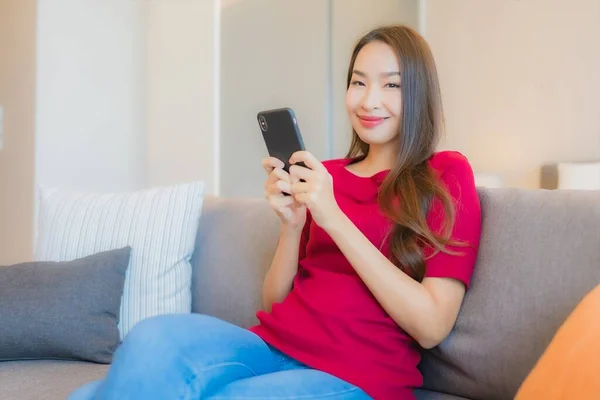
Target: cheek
{"points": [[352, 99], [394, 103]]}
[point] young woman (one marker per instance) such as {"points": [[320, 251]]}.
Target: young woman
{"points": [[375, 254]]}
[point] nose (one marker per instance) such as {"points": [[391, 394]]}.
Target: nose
{"points": [[372, 98]]}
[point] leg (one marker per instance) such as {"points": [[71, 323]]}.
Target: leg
{"points": [[285, 362], [183, 356], [291, 384]]}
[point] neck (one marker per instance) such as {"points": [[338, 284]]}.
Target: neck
{"points": [[381, 157]]}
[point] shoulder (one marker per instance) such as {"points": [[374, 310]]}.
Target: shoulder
{"points": [[456, 174], [453, 163]]}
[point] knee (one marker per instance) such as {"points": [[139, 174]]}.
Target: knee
{"points": [[169, 332], [150, 337], [150, 329]]}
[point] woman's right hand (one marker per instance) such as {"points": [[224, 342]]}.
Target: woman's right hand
{"points": [[292, 213]]}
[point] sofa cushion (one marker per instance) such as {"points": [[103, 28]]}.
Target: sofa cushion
{"points": [[46, 379], [538, 258], [159, 225], [66, 310]]}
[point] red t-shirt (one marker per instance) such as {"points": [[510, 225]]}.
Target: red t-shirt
{"points": [[330, 321]]}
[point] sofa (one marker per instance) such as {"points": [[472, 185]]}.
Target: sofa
{"points": [[539, 256]]}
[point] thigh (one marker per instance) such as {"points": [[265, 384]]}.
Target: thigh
{"points": [[194, 340], [184, 356], [298, 384]]}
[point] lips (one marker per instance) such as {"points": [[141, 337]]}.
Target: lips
{"points": [[369, 121]]}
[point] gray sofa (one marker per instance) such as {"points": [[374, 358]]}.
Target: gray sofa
{"points": [[539, 255]]}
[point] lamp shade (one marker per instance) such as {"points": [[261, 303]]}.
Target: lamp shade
{"points": [[581, 176]]}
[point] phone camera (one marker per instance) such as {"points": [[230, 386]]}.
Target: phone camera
{"points": [[263, 123]]}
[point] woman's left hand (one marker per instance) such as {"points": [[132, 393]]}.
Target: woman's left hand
{"points": [[316, 192]]}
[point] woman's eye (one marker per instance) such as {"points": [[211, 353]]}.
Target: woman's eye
{"points": [[393, 85], [357, 83]]}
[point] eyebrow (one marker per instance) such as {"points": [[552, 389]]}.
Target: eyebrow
{"points": [[360, 73]]}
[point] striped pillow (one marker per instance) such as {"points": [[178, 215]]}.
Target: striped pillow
{"points": [[159, 225]]}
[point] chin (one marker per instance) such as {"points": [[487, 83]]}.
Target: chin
{"points": [[372, 137]]}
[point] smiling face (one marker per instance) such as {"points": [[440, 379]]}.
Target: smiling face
{"points": [[374, 97]]}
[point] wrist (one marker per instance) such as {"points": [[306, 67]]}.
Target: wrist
{"points": [[291, 230], [335, 221]]}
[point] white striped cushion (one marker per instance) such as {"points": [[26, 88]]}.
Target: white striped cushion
{"points": [[159, 224]]}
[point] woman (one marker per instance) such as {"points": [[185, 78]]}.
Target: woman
{"points": [[375, 254]]}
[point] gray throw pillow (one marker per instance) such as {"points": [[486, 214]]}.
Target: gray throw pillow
{"points": [[62, 310]]}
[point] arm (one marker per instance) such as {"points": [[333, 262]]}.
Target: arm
{"points": [[292, 239], [284, 266], [427, 311]]}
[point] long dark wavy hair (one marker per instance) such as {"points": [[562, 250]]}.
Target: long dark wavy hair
{"points": [[411, 187]]}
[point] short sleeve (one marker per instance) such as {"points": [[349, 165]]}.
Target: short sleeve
{"points": [[457, 177]]}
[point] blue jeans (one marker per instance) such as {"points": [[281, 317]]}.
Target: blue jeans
{"points": [[192, 356]]}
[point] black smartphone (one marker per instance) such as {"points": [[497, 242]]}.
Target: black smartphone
{"points": [[281, 133]]}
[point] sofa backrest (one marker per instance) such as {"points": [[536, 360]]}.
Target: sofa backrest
{"points": [[539, 255], [236, 242]]}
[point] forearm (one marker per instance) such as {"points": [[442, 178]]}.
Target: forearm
{"points": [[284, 266], [407, 301]]}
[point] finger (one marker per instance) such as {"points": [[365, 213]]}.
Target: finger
{"points": [[297, 172], [308, 159], [300, 187], [272, 190], [282, 201], [277, 175], [270, 163], [302, 198], [281, 174], [281, 187]]}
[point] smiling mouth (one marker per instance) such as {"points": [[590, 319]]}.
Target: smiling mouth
{"points": [[370, 122], [371, 118]]}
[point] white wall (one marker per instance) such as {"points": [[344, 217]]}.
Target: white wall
{"points": [[520, 82], [182, 92], [126, 98], [90, 132], [17, 96]]}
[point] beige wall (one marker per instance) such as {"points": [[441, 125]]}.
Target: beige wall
{"points": [[520, 82], [350, 20], [17, 96], [274, 54], [290, 54], [182, 92]]}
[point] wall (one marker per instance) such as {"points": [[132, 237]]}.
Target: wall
{"points": [[274, 54], [182, 91], [520, 82], [17, 96], [127, 97], [289, 54], [90, 131], [350, 20]]}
